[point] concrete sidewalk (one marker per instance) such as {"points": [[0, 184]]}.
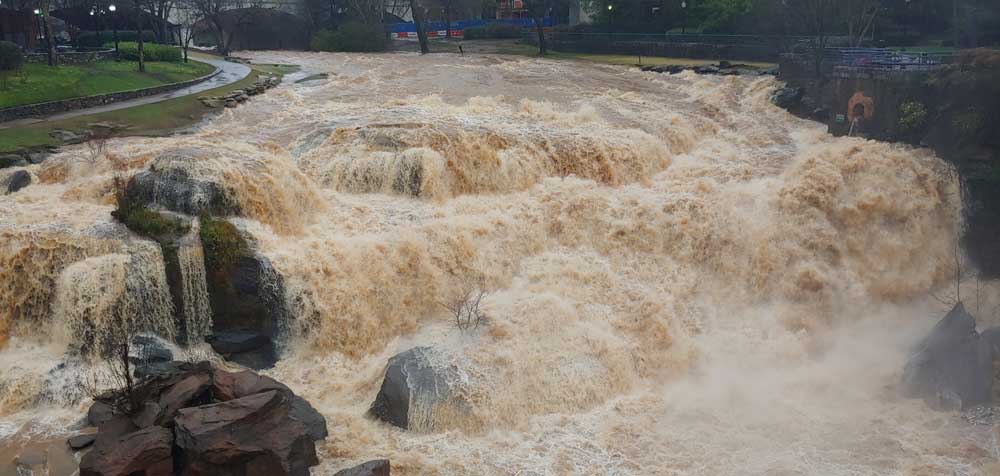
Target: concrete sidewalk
{"points": [[230, 73]]}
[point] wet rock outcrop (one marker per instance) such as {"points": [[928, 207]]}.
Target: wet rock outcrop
{"points": [[378, 467], [15, 181], [952, 368], [411, 388], [239, 96], [198, 420], [246, 295], [169, 184]]}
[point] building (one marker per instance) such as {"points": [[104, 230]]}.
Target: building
{"points": [[19, 27]]}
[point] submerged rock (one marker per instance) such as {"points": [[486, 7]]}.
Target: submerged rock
{"points": [[169, 184], [952, 367], [787, 97], [16, 181], [378, 467], [412, 386]]}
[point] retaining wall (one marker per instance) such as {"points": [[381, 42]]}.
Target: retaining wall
{"points": [[73, 57]]}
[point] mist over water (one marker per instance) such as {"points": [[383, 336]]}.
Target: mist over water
{"points": [[684, 279]]}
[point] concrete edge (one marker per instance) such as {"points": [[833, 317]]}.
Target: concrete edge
{"points": [[43, 109]]}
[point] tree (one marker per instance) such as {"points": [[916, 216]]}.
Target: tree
{"points": [[44, 7], [226, 18], [418, 20], [187, 18], [11, 60], [538, 10], [140, 18]]}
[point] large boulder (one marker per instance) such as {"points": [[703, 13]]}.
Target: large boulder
{"points": [[247, 436], [411, 388], [218, 423], [250, 349], [12, 160], [15, 181], [952, 368], [147, 452], [787, 97], [232, 385], [378, 467], [170, 184]]}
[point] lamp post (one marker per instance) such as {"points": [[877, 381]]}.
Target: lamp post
{"points": [[684, 20], [114, 25], [41, 29]]}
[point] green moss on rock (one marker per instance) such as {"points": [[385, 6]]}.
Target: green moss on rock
{"points": [[222, 242]]}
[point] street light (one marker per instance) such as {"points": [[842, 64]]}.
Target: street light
{"points": [[114, 25], [684, 6], [41, 28]]}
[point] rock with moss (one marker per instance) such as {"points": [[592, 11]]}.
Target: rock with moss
{"points": [[246, 293]]}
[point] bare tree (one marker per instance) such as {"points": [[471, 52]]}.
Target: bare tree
{"points": [[466, 309], [226, 18], [97, 143], [418, 20], [188, 17], [113, 383], [44, 8]]}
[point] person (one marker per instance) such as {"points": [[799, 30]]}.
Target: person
{"points": [[460, 50]]}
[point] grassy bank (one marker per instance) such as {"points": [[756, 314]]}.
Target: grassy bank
{"points": [[161, 118], [42, 83]]}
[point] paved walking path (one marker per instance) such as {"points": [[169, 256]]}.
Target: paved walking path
{"points": [[231, 73]]}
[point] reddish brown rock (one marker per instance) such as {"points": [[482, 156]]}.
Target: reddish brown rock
{"points": [[145, 452], [230, 385], [248, 436]]}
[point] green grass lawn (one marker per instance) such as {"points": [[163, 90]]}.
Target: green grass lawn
{"points": [[41, 83], [161, 118]]}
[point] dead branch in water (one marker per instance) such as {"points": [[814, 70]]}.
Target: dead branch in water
{"points": [[466, 309]]}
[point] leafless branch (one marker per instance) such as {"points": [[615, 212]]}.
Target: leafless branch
{"points": [[466, 309]]}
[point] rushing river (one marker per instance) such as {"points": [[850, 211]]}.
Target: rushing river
{"points": [[683, 279]]}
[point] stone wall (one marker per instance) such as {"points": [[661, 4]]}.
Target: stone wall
{"points": [[746, 52], [72, 104], [73, 57]]}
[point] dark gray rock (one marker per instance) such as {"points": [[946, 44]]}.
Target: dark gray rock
{"points": [[378, 467], [12, 160], [168, 184], [67, 137], [149, 350], [412, 386], [952, 368], [250, 349], [787, 97], [37, 157], [99, 413], [81, 441]]}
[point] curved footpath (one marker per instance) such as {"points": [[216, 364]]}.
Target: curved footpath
{"points": [[230, 73]]}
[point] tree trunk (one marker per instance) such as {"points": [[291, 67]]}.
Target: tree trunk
{"points": [[142, 59], [543, 49], [447, 21], [220, 37], [418, 20], [50, 44]]}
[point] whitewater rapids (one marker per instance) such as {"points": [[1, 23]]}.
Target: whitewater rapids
{"points": [[684, 279]]}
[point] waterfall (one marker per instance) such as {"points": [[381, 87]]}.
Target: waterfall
{"points": [[195, 312]]}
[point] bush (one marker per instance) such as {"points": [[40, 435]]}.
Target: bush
{"points": [[492, 31], [351, 36], [912, 116], [151, 52], [93, 39], [11, 59]]}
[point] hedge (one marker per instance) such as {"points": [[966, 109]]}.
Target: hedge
{"points": [[492, 31], [351, 36], [150, 52], [93, 39]]}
